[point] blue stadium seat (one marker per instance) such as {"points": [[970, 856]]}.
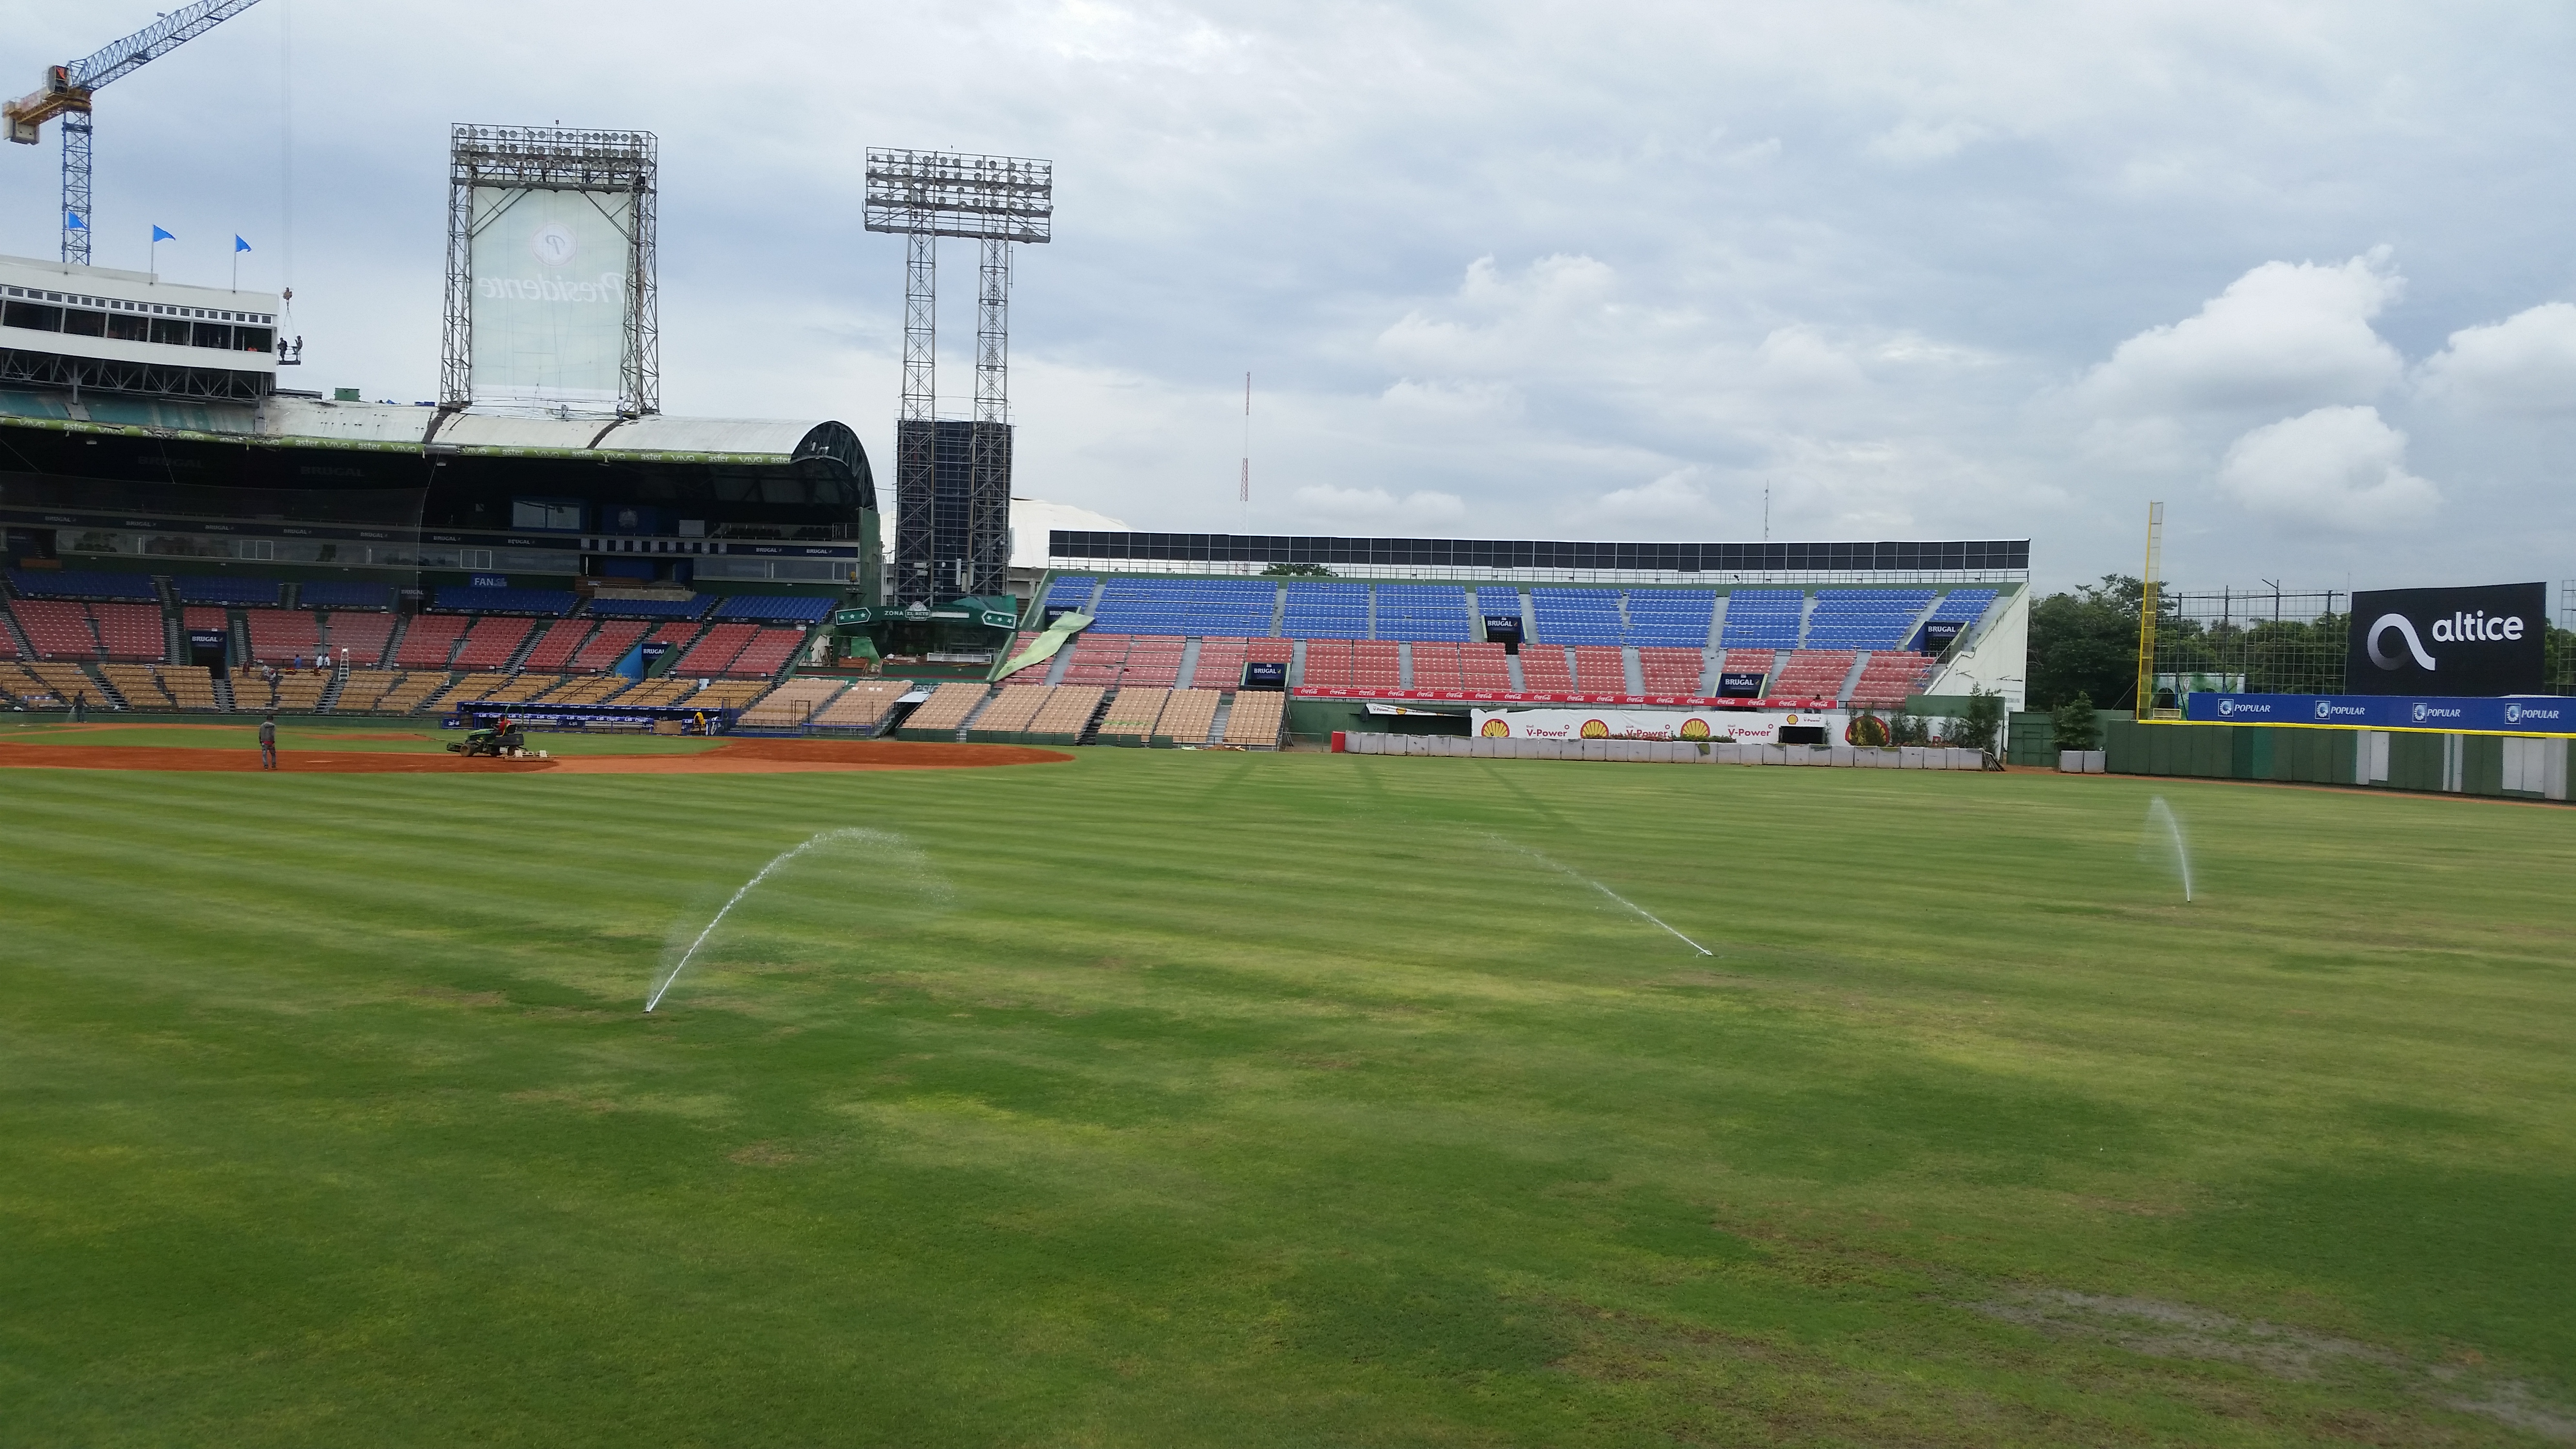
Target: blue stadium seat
{"points": [[1325, 611], [1865, 618], [1576, 616], [552, 603], [1670, 618], [1763, 619], [1428, 613], [774, 608], [1223, 607], [688, 608], [82, 584], [335, 595], [224, 589]]}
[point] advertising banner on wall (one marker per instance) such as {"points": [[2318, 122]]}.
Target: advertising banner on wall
{"points": [[2460, 643], [1760, 726], [550, 296], [2545, 715]]}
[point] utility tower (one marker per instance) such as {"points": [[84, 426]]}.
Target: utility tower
{"points": [[66, 93], [953, 480]]}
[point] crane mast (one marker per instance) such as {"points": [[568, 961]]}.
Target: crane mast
{"points": [[66, 93]]}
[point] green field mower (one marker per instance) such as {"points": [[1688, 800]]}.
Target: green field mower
{"points": [[490, 742]]}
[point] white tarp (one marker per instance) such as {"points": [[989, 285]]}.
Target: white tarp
{"points": [[1651, 724], [550, 297]]}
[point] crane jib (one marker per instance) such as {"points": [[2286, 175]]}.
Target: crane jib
{"points": [[67, 94]]}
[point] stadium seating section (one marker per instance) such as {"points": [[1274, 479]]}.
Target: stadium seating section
{"points": [[554, 649], [430, 641], [364, 635], [1259, 718], [605, 648], [280, 635], [863, 706], [81, 584], [344, 596], [686, 606], [131, 631], [549, 602], [1763, 619], [1162, 663], [1671, 670], [944, 713], [225, 589], [1814, 674], [774, 609]]}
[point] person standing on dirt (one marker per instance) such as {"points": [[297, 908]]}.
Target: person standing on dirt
{"points": [[268, 743]]}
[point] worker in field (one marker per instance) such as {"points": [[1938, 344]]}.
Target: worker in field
{"points": [[268, 742]]}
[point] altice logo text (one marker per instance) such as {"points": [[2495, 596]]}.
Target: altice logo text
{"points": [[2473, 628]]}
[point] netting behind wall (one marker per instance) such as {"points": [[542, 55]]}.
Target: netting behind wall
{"points": [[2233, 642]]}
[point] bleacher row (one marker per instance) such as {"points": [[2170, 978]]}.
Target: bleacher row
{"points": [[1155, 661], [1072, 714], [128, 633], [230, 591], [1854, 620]]}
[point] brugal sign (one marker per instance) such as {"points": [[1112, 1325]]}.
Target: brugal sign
{"points": [[2463, 643]]}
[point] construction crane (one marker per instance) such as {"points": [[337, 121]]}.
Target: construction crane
{"points": [[67, 91]]}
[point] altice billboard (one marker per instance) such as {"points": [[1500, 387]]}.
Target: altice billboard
{"points": [[550, 296], [2461, 643]]}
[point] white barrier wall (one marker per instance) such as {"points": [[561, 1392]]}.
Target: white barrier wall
{"points": [[1666, 752]]}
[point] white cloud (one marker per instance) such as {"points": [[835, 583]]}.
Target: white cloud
{"points": [[2338, 469], [1913, 140], [2524, 365], [2286, 334], [1676, 497], [1421, 506]]}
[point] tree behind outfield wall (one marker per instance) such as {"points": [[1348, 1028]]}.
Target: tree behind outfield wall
{"points": [[2075, 725], [1979, 725], [2086, 642]]}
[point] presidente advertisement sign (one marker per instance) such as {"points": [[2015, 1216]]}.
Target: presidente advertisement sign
{"points": [[2456, 643], [1758, 726], [550, 296], [2543, 715]]}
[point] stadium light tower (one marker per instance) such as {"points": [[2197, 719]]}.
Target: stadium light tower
{"points": [[67, 90], [955, 539]]}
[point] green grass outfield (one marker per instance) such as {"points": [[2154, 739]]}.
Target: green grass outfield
{"points": [[1171, 1098]]}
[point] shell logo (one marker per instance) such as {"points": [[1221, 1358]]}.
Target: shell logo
{"points": [[1594, 729], [1496, 730], [1694, 729]]}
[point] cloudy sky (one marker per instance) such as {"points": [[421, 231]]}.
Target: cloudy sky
{"points": [[1599, 270]]}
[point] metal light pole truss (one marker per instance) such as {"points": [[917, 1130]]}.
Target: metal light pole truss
{"points": [[542, 158], [67, 90], [995, 201]]}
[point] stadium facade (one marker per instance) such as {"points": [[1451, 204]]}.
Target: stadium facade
{"points": [[145, 430]]}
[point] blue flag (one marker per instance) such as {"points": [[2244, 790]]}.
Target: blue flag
{"points": [[159, 235], [239, 245], [72, 219]]}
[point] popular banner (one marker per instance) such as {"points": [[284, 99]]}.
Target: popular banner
{"points": [[1758, 726], [2543, 715]]}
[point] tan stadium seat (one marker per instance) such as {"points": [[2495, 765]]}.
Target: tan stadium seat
{"points": [[862, 706], [1259, 717], [1065, 715], [941, 715], [1189, 717], [1132, 715], [1006, 719]]}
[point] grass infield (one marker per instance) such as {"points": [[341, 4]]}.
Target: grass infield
{"points": [[1196, 1098]]}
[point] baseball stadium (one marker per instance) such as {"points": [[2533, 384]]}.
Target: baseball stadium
{"points": [[719, 954]]}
